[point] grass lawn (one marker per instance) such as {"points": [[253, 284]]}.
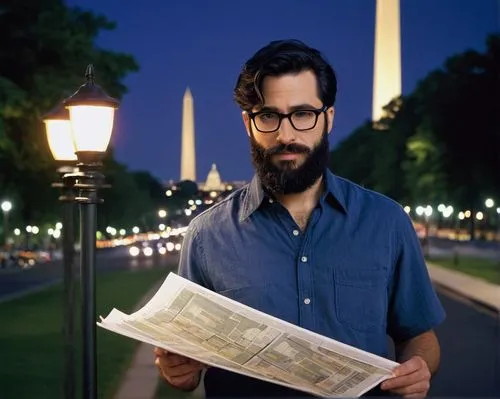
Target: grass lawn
{"points": [[486, 269], [31, 363]]}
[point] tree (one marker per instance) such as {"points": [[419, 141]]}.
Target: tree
{"points": [[354, 157], [125, 203], [45, 49], [441, 142]]}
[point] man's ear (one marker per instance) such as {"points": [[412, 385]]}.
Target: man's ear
{"points": [[330, 116], [246, 121]]}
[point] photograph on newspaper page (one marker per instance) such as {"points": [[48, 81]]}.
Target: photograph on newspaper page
{"points": [[190, 320]]}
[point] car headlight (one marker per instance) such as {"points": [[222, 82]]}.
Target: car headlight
{"points": [[148, 251], [134, 251]]}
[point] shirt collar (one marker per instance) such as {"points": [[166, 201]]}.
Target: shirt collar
{"points": [[334, 195]]}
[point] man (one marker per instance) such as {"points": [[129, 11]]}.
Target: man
{"points": [[304, 245]]}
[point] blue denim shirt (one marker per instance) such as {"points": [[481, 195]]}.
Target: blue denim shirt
{"points": [[356, 274]]}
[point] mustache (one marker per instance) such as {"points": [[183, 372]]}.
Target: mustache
{"points": [[288, 148]]}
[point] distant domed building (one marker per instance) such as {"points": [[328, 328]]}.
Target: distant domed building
{"points": [[213, 182]]}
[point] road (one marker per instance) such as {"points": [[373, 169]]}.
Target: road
{"points": [[16, 282], [470, 351], [470, 336], [478, 249]]}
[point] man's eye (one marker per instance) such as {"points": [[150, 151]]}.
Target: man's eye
{"points": [[267, 116], [303, 114]]}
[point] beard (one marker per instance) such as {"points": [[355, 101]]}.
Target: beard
{"points": [[285, 177]]}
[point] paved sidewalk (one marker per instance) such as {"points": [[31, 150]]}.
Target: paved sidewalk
{"points": [[478, 290], [141, 380]]}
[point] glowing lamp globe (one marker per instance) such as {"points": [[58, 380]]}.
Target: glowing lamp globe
{"points": [[91, 113], [59, 137]]}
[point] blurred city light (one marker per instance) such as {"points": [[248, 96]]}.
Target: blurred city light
{"points": [[489, 203], [428, 210], [162, 213], [6, 206]]}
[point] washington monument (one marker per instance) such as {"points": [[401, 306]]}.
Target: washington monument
{"points": [[188, 157], [387, 60]]}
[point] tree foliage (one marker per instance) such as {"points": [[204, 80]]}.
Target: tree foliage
{"points": [[439, 143], [45, 49]]}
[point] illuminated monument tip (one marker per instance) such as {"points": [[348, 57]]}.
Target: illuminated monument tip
{"points": [[387, 56], [188, 157]]}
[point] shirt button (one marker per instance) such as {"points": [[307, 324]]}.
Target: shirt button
{"points": [[271, 200], [296, 233], [307, 301], [304, 259]]}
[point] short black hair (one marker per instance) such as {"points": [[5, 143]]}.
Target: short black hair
{"points": [[278, 58]]}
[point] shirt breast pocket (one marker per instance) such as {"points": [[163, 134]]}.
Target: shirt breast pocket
{"points": [[361, 298]]}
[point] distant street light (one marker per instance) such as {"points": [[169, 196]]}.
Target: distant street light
{"points": [[162, 213], [91, 113], [489, 203], [6, 208], [59, 137]]}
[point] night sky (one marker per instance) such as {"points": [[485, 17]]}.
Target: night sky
{"points": [[203, 44]]}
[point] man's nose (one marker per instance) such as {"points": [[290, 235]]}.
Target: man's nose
{"points": [[286, 132]]}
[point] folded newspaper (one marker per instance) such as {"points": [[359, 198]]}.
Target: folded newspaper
{"points": [[187, 319]]}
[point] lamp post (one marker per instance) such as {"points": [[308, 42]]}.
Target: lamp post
{"points": [[6, 208], [91, 113], [58, 129]]}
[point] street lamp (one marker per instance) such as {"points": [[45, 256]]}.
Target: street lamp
{"points": [[91, 113], [6, 208], [58, 130]]}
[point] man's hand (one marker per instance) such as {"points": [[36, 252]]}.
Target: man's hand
{"points": [[179, 371], [411, 379]]}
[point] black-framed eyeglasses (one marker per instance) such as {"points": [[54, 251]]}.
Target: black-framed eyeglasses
{"points": [[301, 119]]}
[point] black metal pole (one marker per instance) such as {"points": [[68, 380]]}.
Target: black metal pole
{"points": [[68, 236], [6, 229], [88, 226]]}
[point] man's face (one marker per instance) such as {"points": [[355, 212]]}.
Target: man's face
{"points": [[287, 160]]}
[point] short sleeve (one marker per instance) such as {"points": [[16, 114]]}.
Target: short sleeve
{"points": [[192, 258], [414, 307]]}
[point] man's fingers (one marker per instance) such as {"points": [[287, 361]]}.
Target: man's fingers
{"points": [[171, 359], [181, 370], [398, 382], [420, 395], [417, 390], [409, 366], [181, 380], [160, 351]]}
